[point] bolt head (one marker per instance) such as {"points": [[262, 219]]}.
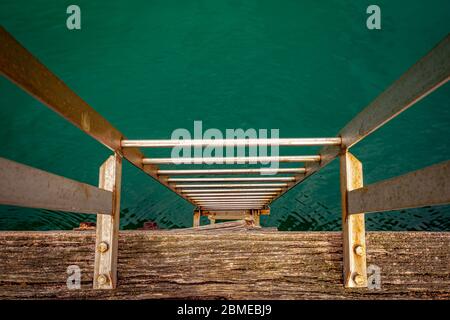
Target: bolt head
{"points": [[102, 279], [358, 279], [103, 247], [359, 250]]}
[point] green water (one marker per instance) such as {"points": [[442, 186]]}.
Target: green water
{"points": [[149, 67]]}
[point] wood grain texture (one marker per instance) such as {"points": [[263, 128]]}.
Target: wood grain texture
{"points": [[232, 265], [239, 225]]}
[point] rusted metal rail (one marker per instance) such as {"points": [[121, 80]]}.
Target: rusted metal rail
{"points": [[21, 185], [22, 68]]}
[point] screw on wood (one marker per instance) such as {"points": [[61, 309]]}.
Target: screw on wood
{"points": [[359, 250], [103, 247], [102, 279], [358, 279]]}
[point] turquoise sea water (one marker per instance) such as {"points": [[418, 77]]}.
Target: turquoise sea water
{"points": [[149, 67]]}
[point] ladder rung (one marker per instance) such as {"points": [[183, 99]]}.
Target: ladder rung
{"points": [[243, 200], [215, 207], [229, 209], [230, 179], [231, 185], [215, 193], [231, 160], [231, 171], [229, 202], [286, 142], [213, 198], [228, 190]]}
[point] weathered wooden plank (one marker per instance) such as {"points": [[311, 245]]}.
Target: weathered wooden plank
{"points": [[229, 265], [353, 229], [425, 187], [27, 72], [105, 268], [24, 186], [214, 228], [230, 215], [235, 215]]}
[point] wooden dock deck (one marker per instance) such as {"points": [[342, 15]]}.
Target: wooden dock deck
{"points": [[230, 264]]}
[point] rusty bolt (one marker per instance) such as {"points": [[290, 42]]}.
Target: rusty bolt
{"points": [[102, 279], [359, 250], [103, 247], [358, 279]]}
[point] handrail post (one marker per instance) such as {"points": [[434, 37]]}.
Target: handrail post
{"points": [[353, 229], [256, 216], [106, 242], [253, 216], [196, 222], [212, 218]]}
